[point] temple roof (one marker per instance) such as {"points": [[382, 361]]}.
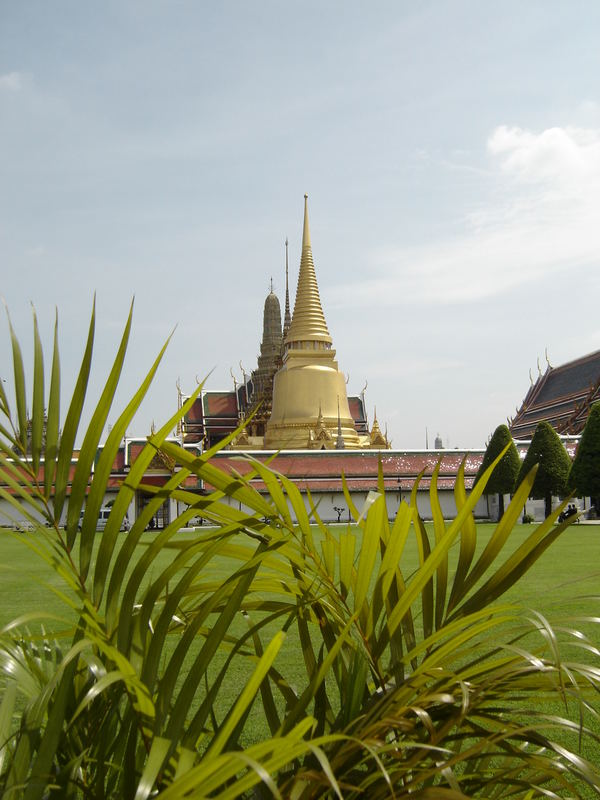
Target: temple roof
{"points": [[357, 409], [322, 470], [219, 404], [561, 396]]}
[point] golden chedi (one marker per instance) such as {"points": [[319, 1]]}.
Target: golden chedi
{"points": [[310, 404]]}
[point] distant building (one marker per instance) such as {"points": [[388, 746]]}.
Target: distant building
{"points": [[561, 396]]}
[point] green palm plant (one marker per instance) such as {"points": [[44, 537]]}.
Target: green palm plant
{"points": [[410, 682]]}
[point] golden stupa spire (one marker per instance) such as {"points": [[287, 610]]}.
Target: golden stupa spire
{"points": [[309, 371], [308, 320]]}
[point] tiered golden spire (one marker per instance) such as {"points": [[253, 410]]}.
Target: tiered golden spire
{"points": [[308, 320], [309, 371]]}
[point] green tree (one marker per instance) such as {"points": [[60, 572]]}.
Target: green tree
{"points": [[547, 451], [584, 477], [504, 477]]}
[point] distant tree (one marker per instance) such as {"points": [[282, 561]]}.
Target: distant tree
{"points": [[584, 477], [504, 477], [546, 449]]}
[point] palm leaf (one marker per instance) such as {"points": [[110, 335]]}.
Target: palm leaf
{"points": [[67, 439], [87, 456], [20, 393], [53, 421], [37, 411]]}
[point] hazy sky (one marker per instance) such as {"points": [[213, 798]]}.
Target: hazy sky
{"points": [[450, 151]]}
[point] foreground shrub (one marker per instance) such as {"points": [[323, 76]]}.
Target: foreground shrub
{"points": [[412, 682]]}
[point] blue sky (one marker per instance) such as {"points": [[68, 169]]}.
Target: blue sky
{"points": [[450, 150]]}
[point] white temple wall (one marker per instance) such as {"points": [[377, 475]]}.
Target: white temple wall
{"points": [[328, 502]]}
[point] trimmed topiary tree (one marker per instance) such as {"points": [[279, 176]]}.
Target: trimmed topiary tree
{"points": [[546, 449], [504, 477], [584, 477]]}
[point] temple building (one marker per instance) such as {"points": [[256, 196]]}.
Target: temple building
{"points": [[296, 398], [561, 396]]}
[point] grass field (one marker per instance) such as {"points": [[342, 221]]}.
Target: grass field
{"points": [[569, 570], [565, 580]]}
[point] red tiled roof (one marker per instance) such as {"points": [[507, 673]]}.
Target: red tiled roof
{"points": [[220, 404], [135, 448], [119, 461], [358, 414], [195, 413], [359, 462], [356, 408], [322, 470], [40, 477]]}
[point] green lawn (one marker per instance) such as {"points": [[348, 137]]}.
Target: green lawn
{"points": [[566, 578], [569, 569]]}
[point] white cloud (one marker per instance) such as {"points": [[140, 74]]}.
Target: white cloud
{"points": [[11, 82], [542, 221], [559, 156]]}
